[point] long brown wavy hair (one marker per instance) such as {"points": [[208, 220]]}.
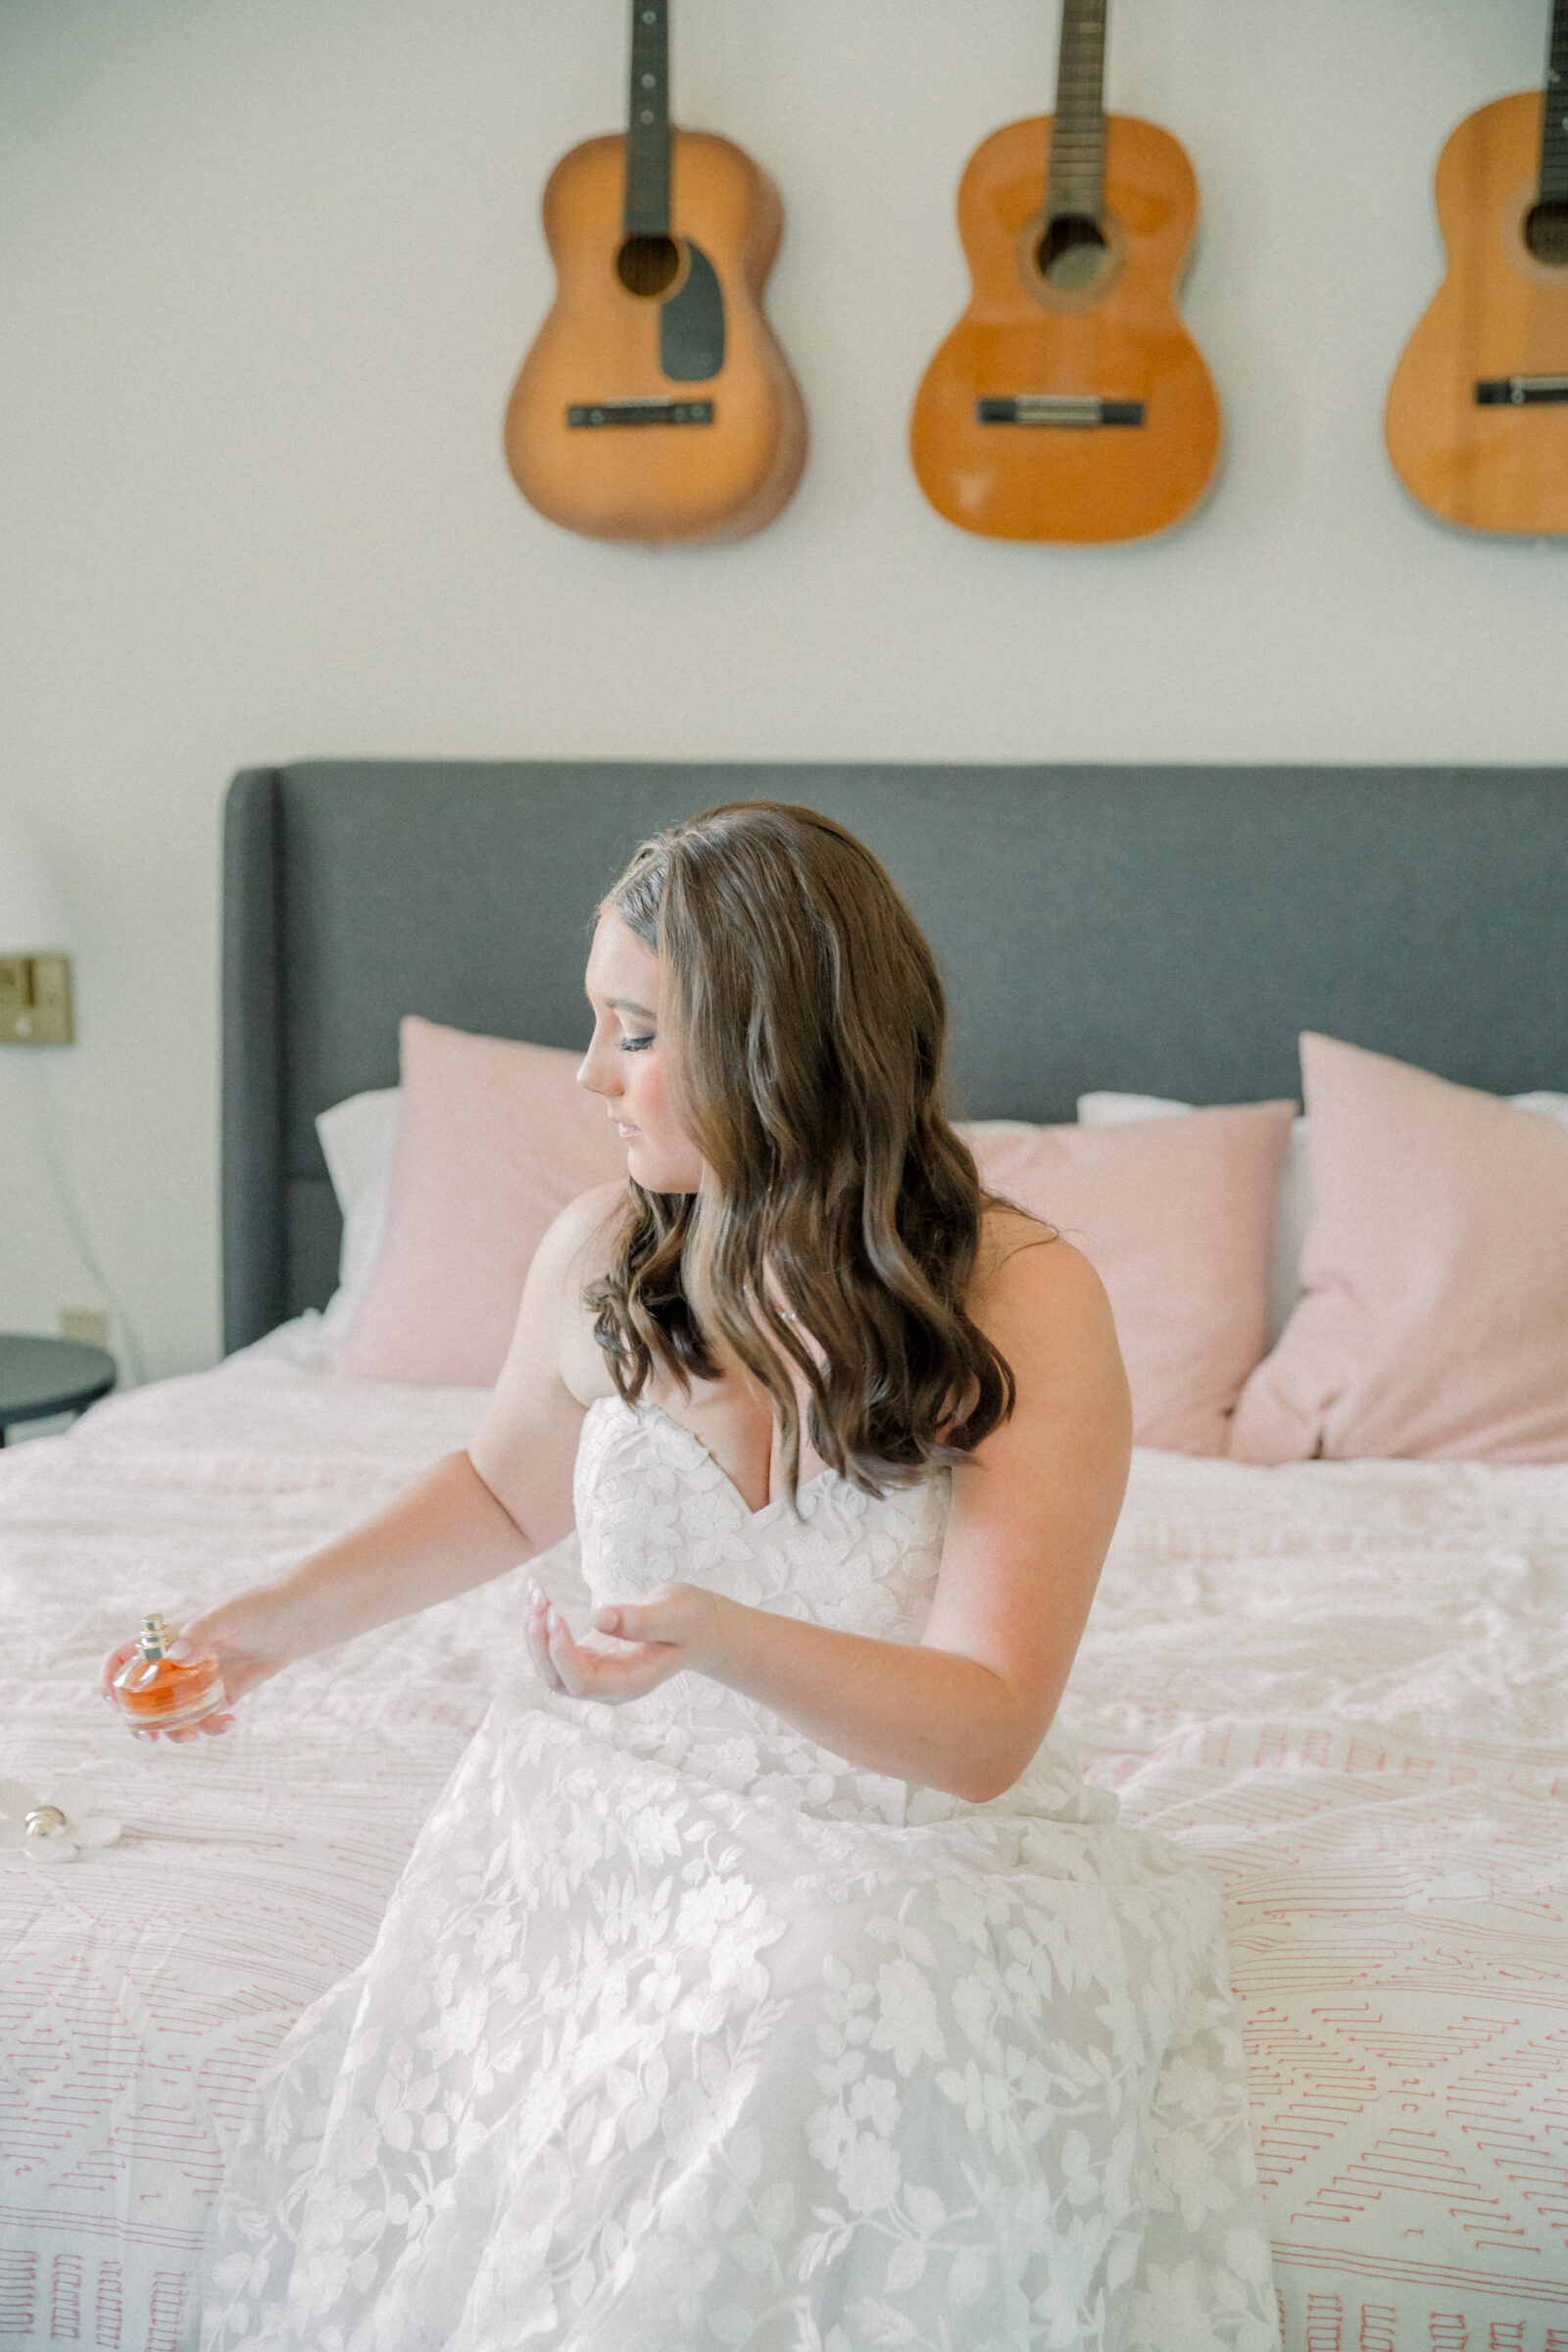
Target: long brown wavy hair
{"points": [[838, 1206]]}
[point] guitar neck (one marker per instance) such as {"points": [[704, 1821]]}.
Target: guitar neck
{"points": [[647, 208], [1075, 182], [1554, 111]]}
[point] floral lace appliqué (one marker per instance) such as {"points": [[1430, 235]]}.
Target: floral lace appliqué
{"points": [[681, 2030]]}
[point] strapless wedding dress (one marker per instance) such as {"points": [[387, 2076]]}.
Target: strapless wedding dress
{"points": [[682, 2033]]}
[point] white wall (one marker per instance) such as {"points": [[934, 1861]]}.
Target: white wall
{"points": [[267, 270]]}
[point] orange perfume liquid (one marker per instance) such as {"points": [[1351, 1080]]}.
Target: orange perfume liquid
{"points": [[159, 1693]]}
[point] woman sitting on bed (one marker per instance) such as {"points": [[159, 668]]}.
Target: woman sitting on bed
{"points": [[766, 1976]]}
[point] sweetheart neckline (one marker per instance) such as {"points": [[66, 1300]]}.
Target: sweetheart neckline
{"points": [[775, 1502]]}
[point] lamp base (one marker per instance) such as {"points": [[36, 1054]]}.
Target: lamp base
{"points": [[36, 1001]]}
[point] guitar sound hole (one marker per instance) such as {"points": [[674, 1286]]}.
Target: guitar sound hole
{"points": [[1072, 255], [1546, 230], [647, 265]]}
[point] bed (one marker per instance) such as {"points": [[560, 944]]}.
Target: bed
{"points": [[1344, 1682]]}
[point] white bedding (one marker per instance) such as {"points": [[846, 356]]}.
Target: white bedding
{"points": [[1345, 1684]]}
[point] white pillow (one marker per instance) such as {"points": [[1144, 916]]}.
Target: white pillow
{"points": [[357, 1138], [1294, 1211]]}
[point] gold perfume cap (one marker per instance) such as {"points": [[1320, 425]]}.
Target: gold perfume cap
{"points": [[153, 1640]]}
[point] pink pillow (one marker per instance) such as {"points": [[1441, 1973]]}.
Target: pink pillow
{"points": [[1177, 1218], [493, 1140], [1434, 1320]]}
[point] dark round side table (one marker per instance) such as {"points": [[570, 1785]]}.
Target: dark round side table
{"points": [[39, 1378]]}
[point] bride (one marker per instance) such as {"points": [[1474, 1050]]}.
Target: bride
{"points": [[766, 1975]]}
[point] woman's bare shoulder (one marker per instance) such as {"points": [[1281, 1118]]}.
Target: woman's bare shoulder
{"points": [[1028, 1278], [554, 1334], [1007, 1233], [580, 1239], [526, 1441]]}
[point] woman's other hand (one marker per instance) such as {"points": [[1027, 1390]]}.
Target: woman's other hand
{"points": [[631, 1647]]}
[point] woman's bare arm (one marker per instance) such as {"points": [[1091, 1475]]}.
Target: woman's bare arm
{"points": [[1032, 1517], [445, 1535], [450, 1531]]}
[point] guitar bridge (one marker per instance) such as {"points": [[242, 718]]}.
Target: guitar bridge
{"points": [[589, 414], [1072, 409], [1520, 391]]}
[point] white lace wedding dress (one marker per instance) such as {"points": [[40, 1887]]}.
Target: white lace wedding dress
{"points": [[680, 2031]]}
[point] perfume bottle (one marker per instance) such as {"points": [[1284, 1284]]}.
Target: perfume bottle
{"points": [[156, 1692]]}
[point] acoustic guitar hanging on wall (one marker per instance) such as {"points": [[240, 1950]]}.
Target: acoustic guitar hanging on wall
{"points": [[1477, 421], [1069, 401], [656, 404]]}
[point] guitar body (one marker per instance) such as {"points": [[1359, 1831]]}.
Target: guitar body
{"points": [[716, 479], [1118, 340], [1501, 313]]}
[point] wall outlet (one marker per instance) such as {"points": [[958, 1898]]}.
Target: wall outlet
{"points": [[88, 1324]]}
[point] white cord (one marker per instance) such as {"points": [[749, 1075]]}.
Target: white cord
{"points": [[54, 1162]]}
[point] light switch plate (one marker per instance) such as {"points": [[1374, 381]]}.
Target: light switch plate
{"points": [[36, 1001]]}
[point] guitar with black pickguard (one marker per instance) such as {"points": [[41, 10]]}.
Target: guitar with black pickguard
{"points": [[656, 404]]}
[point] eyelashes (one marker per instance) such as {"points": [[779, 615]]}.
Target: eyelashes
{"points": [[636, 1045]]}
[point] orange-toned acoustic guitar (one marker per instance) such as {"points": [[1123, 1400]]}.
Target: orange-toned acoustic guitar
{"points": [[1477, 421], [1069, 403], [656, 404]]}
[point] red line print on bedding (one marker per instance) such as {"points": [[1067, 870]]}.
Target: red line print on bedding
{"points": [[65, 2299], [17, 2281], [108, 2306], [1303, 2092], [1399, 1946], [1416, 2164], [167, 2308], [1486, 2107], [1325, 2324]]}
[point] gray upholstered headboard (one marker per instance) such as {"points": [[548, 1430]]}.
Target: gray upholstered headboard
{"points": [[1162, 930]]}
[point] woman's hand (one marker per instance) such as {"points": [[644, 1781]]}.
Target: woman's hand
{"points": [[444, 1536], [631, 1647], [250, 1638]]}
